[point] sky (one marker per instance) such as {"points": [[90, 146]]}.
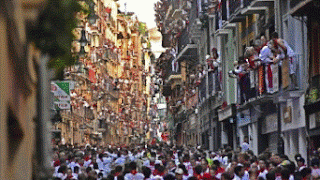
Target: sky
{"points": [[142, 8]]}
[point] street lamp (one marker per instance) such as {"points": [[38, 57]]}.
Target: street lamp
{"points": [[82, 52], [83, 42]]}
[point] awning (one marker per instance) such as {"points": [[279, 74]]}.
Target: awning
{"points": [[226, 112], [302, 8], [190, 52]]}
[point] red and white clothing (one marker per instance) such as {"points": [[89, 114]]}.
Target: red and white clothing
{"points": [[263, 173], [134, 175], [188, 166], [219, 172]]}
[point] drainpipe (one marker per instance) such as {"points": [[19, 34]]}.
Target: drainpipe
{"points": [[45, 99]]}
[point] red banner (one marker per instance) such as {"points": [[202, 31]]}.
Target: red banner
{"points": [[92, 76]]}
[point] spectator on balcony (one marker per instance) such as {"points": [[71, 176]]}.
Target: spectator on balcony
{"points": [[271, 55], [213, 61], [288, 53], [200, 74], [217, 68], [241, 72], [210, 63], [175, 64], [252, 56], [261, 43]]}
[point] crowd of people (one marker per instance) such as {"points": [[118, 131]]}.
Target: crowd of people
{"points": [[163, 162]]}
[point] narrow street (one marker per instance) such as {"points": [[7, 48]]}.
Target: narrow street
{"points": [[160, 89]]}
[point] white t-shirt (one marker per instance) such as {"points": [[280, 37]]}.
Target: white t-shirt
{"points": [[315, 172], [244, 146], [138, 176], [263, 174]]}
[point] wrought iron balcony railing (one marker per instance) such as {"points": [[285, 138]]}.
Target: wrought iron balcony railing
{"points": [[253, 84]]}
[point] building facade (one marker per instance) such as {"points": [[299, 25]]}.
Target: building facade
{"points": [[267, 106], [109, 101]]}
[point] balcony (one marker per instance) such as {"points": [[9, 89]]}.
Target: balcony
{"points": [[240, 8], [213, 83], [174, 76], [256, 6], [189, 53], [302, 8], [253, 85], [235, 7], [258, 3], [253, 10]]}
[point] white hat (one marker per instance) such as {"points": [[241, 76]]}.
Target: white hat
{"points": [[239, 164], [158, 162], [179, 171]]}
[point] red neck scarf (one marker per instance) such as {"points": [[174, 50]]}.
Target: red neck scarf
{"points": [[219, 170], [156, 172], [57, 163], [198, 176], [134, 172], [87, 158]]}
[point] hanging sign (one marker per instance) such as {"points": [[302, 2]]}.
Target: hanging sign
{"points": [[61, 92]]}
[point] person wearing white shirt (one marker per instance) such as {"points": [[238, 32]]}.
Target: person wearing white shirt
{"points": [[133, 175], [262, 169], [225, 161], [240, 173], [245, 145], [106, 164], [100, 161], [120, 161], [268, 59], [179, 174]]}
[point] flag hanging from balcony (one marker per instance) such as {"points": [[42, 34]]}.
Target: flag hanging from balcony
{"points": [[108, 10], [92, 76]]}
